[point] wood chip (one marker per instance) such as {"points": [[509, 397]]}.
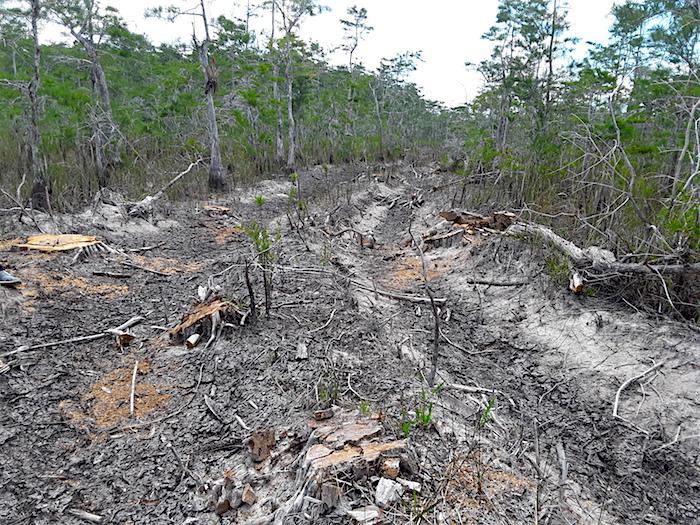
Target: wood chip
{"points": [[326, 413], [302, 351], [390, 468], [368, 515], [249, 497], [261, 443], [193, 340]]}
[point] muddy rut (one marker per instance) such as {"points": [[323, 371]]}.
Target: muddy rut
{"points": [[518, 427]]}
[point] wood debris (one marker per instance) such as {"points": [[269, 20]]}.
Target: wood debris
{"points": [[499, 221], [248, 495], [387, 492], [368, 515], [57, 243], [343, 447], [261, 443], [204, 319], [391, 467], [193, 340]]}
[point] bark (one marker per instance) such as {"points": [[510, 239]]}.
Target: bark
{"points": [[40, 189]]}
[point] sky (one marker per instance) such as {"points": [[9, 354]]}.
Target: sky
{"points": [[447, 32]]}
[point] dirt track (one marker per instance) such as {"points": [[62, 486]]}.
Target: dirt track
{"points": [[551, 362]]}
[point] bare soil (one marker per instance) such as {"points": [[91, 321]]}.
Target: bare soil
{"points": [[520, 426]]}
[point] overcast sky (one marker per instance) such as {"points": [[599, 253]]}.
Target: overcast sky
{"points": [[448, 32]]}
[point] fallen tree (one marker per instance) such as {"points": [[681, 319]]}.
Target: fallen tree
{"points": [[141, 209], [597, 260]]}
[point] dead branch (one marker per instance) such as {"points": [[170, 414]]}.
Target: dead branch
{"points": [[628, 383], [144, 207], [433, 306], [399, 297], [131, 322], [133, 388]]}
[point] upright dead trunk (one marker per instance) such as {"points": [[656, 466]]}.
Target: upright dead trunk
{"points": [[291, 154], [279, 141], [380, 124], [40, 189], [216, 171], [106, 140]]}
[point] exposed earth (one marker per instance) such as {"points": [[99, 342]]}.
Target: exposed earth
{"points": [[300, 416]]}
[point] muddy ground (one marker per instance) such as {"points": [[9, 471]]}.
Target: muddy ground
{"points": [[518, 428]]}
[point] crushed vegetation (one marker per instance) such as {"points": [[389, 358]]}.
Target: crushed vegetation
{"points": [[569, 407]]}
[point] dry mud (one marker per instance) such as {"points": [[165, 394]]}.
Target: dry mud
{"points": [[545, 366]]}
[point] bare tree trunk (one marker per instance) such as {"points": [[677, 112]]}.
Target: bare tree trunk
{"points": [[291, 154], [279, 141], [216, 170], [380, 126], [40, 190]]}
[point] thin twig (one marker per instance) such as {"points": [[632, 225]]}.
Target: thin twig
{"points": [[133, 388]]}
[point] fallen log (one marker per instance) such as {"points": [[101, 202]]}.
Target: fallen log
{"points": [[144, 207], [594, 259]]}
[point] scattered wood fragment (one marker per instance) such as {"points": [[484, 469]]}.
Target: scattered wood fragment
{"points": [[261, 443], [499, 221], [248, 496], [390, 468], [114, 275], [147, 248], [326, 413], [193, 340], [84, 515], [145, 269], [488, 282], [302, 351], [444, 240], [398, 296]]}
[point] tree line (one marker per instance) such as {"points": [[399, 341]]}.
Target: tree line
{"points": [[607, 146], [106, 104]]}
